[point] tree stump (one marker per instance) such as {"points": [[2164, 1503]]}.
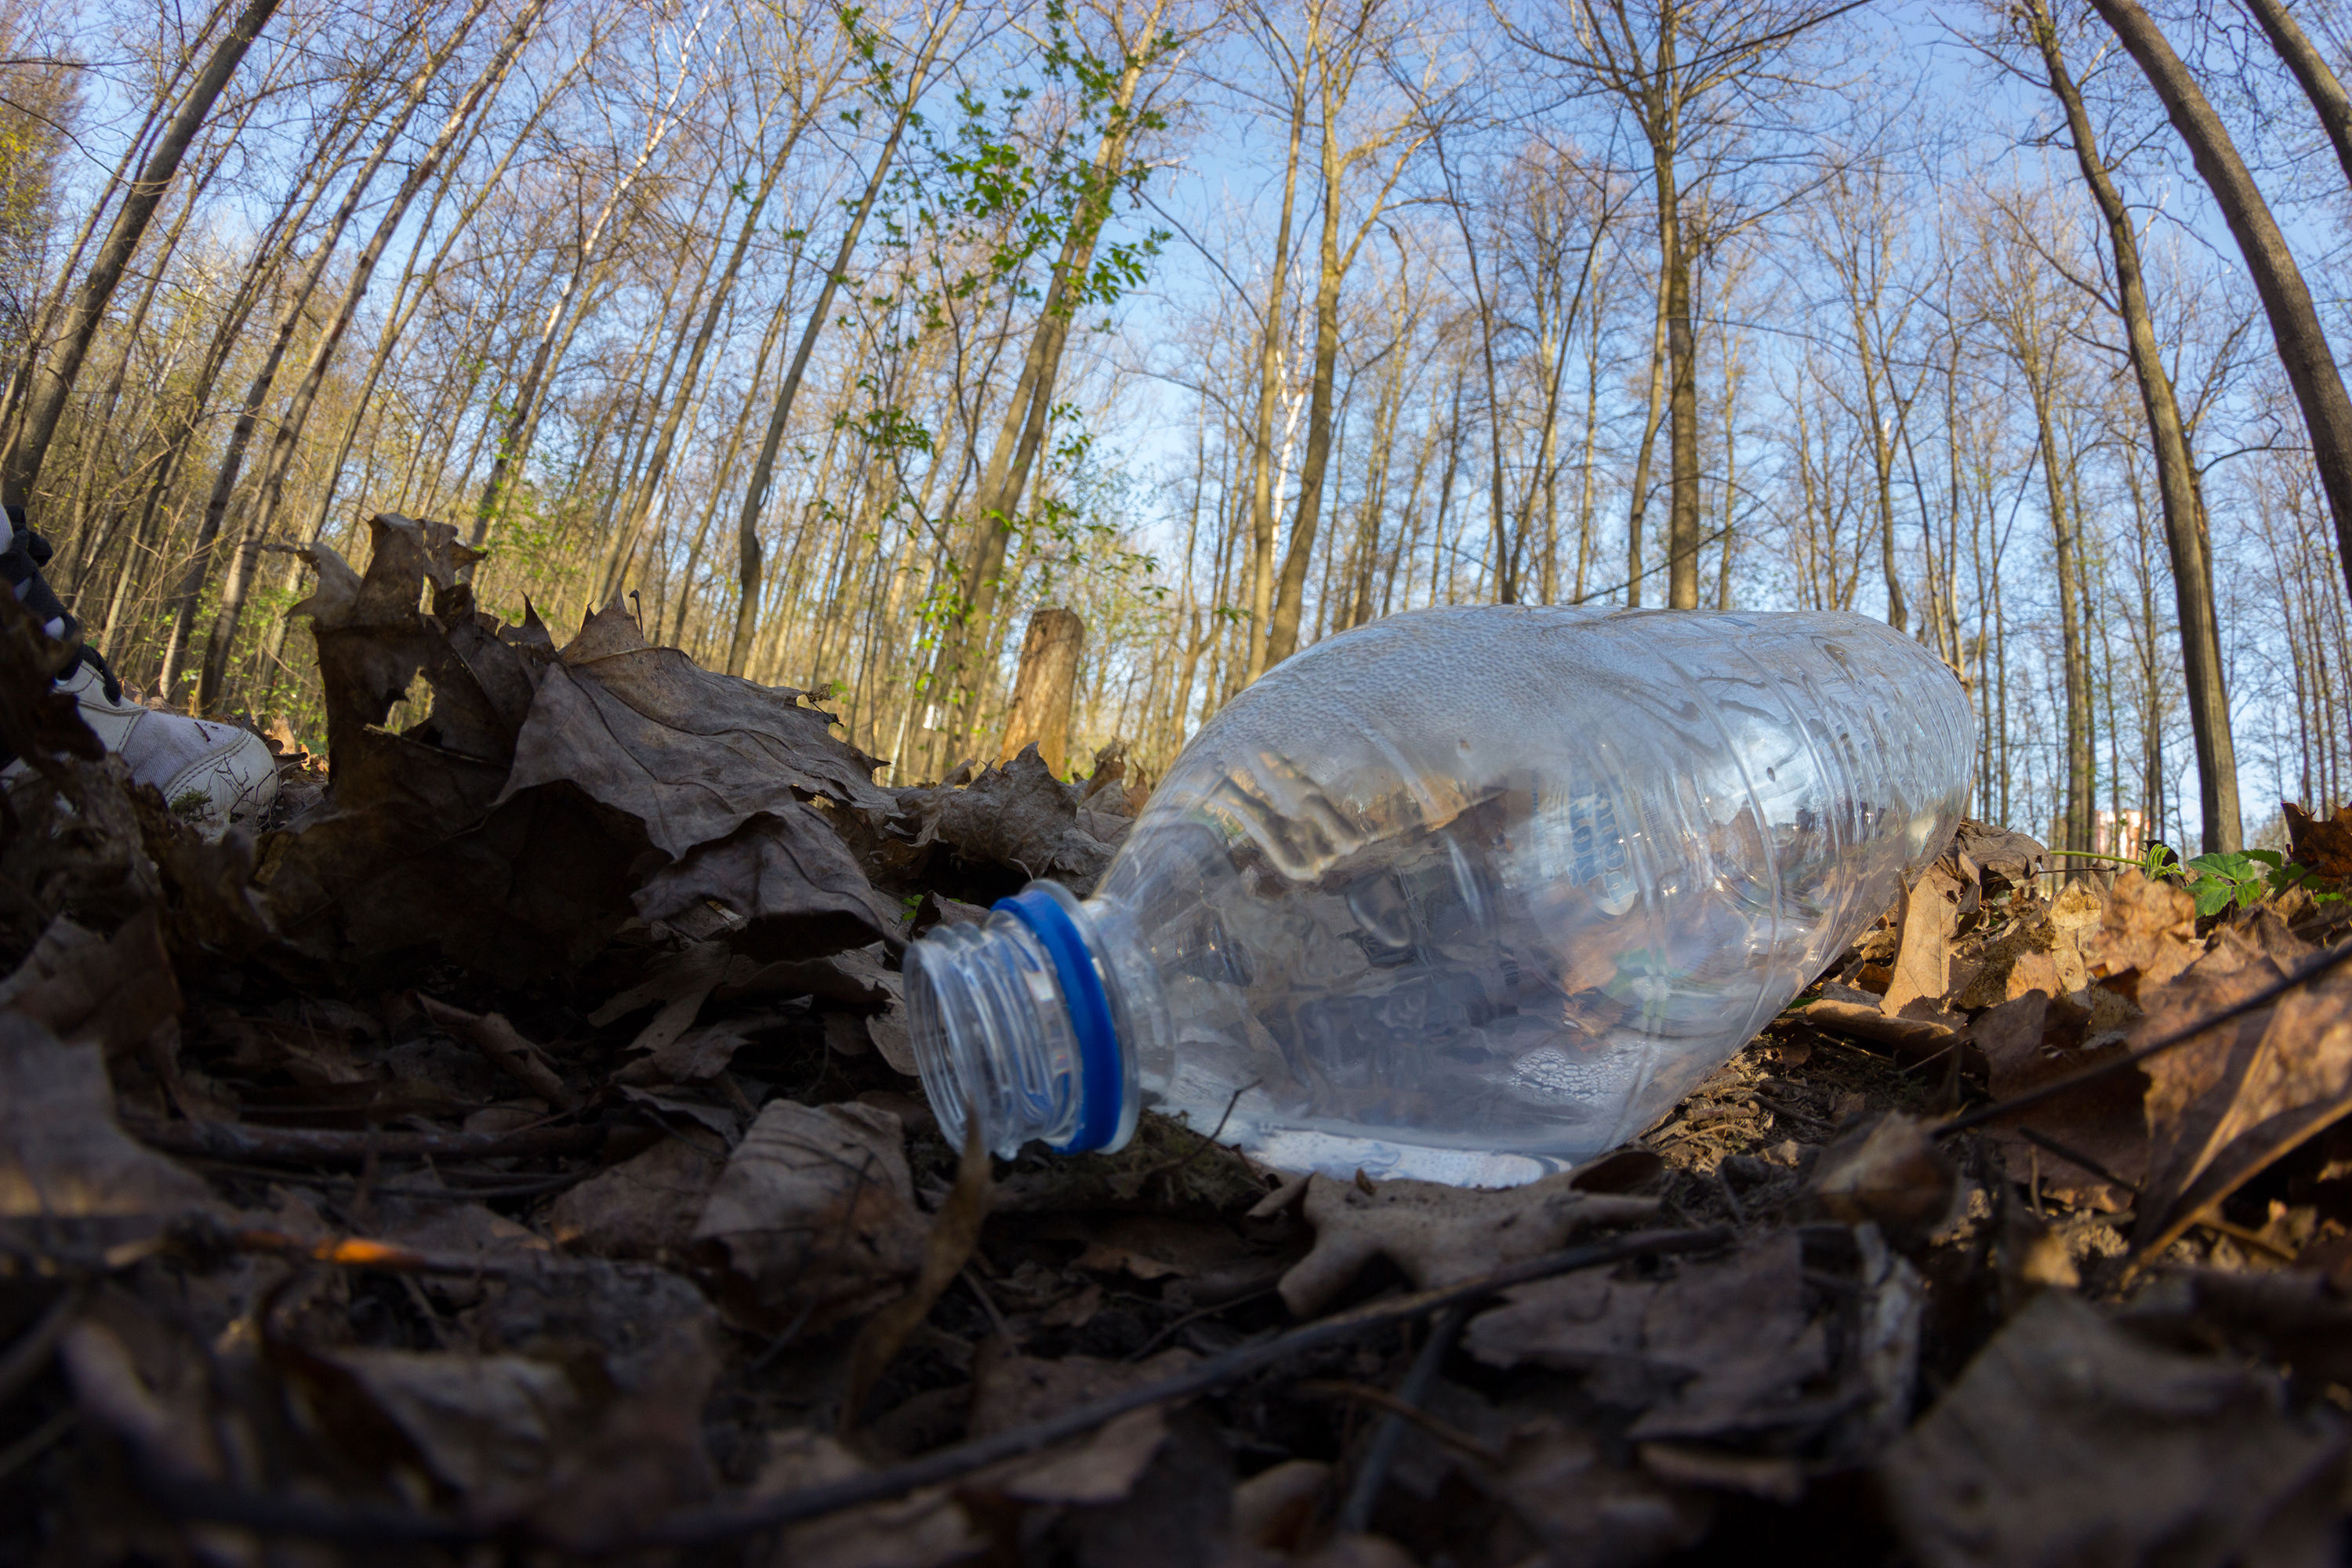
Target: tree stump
{"points": [[1043, 690]]}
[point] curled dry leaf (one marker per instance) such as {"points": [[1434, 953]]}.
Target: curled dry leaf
{"points": [[1439, 1234], [90, 990], [2324, 843], [1017, 818], [2100, 1126], [1889, 1173], [1923, 953], [2067, 1441], [954, 1232], [61, 1156], [814, 1216], [2230, 1100], [418, 845], [643, 1207], [785, 875], [691, 753]]}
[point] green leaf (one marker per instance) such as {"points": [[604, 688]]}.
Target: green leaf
{"points": [[2213, 894]]}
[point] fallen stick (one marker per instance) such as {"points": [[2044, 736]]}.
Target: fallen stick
{"points": [[230, 1139], [1916, 1035], [290, 1514], [501, 1042]]}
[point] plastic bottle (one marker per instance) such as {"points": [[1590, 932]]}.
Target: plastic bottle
{"points": [[1465, 895]]}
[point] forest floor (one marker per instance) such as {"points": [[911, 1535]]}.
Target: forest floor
{"points": [[514, 1156]]}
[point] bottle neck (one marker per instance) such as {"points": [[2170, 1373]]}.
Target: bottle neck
{"points": [[1025, 1021]]}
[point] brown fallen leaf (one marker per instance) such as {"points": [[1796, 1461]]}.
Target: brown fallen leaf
{"points": [[691, 753], [926, 1529], [1571, 1504], [1010, 1390], [2007, 861], [478, 1424], [642, 1207], [1889, 1173], [2101, 1125], [61, 1154], [2069, 1442], [418, 845], [1923, 953], [814, 1217], [2324, 843], [1721, 1347], [1018, 817], [791, 884], [2228, 1101], [1439, 1234], [2147, 935], [91, 990]]}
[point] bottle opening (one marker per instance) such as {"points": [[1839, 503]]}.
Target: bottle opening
{"points": [[1015, 1020]]}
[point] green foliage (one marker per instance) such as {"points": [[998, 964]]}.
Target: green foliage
{"points": [[2245, 876]]}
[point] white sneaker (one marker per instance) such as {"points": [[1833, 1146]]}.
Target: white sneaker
{"points": [[209, 774]]}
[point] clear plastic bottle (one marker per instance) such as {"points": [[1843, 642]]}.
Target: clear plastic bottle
{"points": [[1464, 895]]}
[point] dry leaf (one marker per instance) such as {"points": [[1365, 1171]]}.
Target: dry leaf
{"points": [[61, 1156], [791, 884], [87, 990], [1439, 1234], [1887, 1173], [2101, 1121], [1018, 817], [640, 1208], [1930, 913], [2224, 1104], [1723, 1346], [691, 753], [814, 1215], [2323, 844], [2069, 1443], [1010, 1390], [923, 1529], [479, 1423]]}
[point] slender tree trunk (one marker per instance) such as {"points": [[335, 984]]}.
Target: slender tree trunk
{"points": [[1638, 506], [1682, 354], [53, 378], [2310, 67], [2176, 472], [2302, 347], [750, 561], [296, 413]]}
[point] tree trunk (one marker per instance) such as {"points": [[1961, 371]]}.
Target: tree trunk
{"points": [[1041, 691], [1263, 521], [2176, 472], [2310, 67], [53, 379], [2302, 347], [1682, 355], [1638, 506]]}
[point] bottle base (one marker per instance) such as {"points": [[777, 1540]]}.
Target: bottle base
{"points": [[1340, 1156]]}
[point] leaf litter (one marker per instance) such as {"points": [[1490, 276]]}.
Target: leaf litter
{"points": [[515, 1150]]}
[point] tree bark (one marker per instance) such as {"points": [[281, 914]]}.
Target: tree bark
{"points": [[2176, 472], [1041, 691], [2303, 346]]}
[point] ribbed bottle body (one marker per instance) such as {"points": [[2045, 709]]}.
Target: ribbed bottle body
{"points": [[1467, 894]]}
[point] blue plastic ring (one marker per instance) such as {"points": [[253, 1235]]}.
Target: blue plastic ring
{"points": [[1089, 1011]]}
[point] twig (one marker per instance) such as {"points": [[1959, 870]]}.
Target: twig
{"points": [[505, 1045], [2084, 1161], [306, 1145], [1445, 1432], [2316, 964], [385, 1257], [290, 1514], [1356, 1515], [23, 1361]]}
